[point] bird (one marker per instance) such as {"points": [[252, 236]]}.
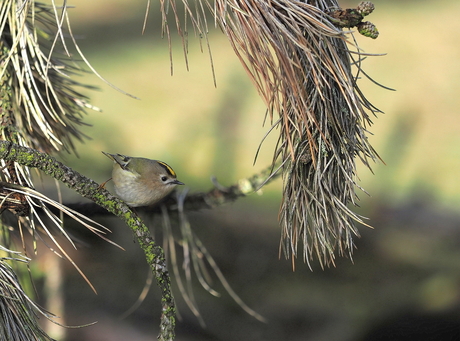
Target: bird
{"points": [[141, 182]]}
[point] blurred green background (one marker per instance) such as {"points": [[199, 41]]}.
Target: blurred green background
{"points": [[405, 277]]}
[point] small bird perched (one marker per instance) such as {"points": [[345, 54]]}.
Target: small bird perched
{"points": [[141, 182]]}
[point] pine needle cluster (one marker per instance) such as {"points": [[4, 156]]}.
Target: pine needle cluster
{"points": [[17, 318], [305, 67], [40, 108]]}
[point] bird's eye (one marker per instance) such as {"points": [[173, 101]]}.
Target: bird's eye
{"points": [[164, 178]]}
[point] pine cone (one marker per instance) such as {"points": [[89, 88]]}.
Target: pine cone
{"points": [[365, 8], [368, 29]]}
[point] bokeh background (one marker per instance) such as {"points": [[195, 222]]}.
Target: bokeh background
{"points": [[404, 280]]}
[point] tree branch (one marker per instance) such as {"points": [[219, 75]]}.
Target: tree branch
{"points": [[217, 196], [88, 188]]}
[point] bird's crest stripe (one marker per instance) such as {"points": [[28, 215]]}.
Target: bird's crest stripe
{"points": [[168, 168]]}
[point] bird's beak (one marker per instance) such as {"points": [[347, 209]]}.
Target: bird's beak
{"points": [[177, 182]]}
